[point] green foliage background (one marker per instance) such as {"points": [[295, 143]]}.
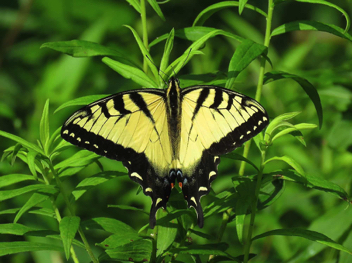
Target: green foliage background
{"points": [[30, 75]]}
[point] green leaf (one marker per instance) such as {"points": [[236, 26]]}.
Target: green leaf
{"points": [[44, 126], [195, 33], [236, 156], [81, 158], [175, 66], [241, 6], [305, 84], [206, 249], [108, 224], [323, 2], [82, 48], [8, 194], [164, 221], [167, 50], [127, 207], [21, 141], [221, 203], [8, 248], [166, 235], [210, 10], [88, 183], [311, 25], [243, 203], [245, 53], [297, 127], [289, 161], [156, 8], [275, 123], [39, 211], [31, 162], [129, 72], [10, 179], [82, 101], [15, 152], [307, 234], [136, 5], [145, 53], [34, 200], [313, 182], [15, 229], [136, 251], [68, 228], [270, 191]]}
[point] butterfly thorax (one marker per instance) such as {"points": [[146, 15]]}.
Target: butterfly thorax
{"points": [[173, 105]]}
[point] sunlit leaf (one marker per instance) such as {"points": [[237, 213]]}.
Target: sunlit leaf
{"points": [[8, 248], [305, 84], [307, 234], [130, 72], [210, 10]]}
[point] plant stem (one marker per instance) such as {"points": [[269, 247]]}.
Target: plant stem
{"points": [[68, 204], [248, 241], [58, 218], [145, 33]]}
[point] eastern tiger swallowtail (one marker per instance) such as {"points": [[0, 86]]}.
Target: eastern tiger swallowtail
{"points": [[166, 135]]}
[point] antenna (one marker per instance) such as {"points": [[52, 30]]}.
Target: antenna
{"points": [[158, 70]]}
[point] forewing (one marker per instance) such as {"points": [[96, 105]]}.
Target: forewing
{"points": [[215, 121], [130, 127]]}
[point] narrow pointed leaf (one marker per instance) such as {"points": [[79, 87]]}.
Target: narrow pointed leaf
{"points": [[245, 53], [23, 142], [129, 72], [156, 8], [167, 50], [314, 183], [31, 163], [311, 26], [8, 248], [11, 179], [210, 10], [82, 48], [195, 33], [236, 156], [241, 6], [44, 125], [8, 194], [299, 127], [145, 52], [92, 181], [68, 228], [34, 200], [289, 161], [82, 101], [136, 5], [136, 251], [305, 84], [307, 234], [323, 2]]}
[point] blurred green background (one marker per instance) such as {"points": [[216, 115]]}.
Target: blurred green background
{"points": [[29, 75]]}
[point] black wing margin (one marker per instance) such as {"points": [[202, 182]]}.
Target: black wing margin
{"points": [[122, 127], [220, 121]]}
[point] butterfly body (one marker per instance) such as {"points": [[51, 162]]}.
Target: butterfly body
{"points": [[164, 136]]}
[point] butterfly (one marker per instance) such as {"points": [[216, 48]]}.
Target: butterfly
{"points": [[164, 136]]}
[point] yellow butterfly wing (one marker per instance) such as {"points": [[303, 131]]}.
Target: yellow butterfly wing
{"points": [[214, 122], [130, 127]]}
